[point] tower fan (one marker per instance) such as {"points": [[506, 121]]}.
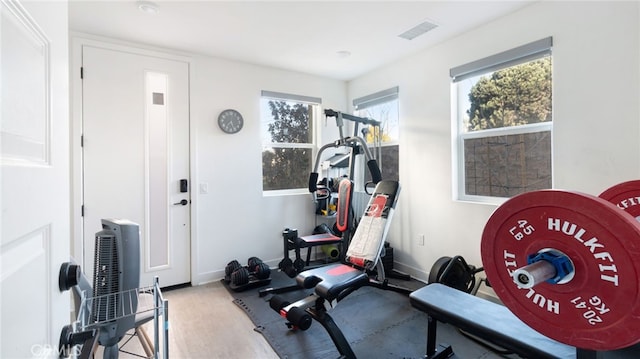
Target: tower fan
{"points": [[116, 278]]}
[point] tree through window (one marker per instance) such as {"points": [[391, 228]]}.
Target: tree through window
{"points": [[504, 123], [287, 140], [518, 95]]}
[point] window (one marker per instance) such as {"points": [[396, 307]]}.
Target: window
{"points": [[382, 106], [503, 119], [287, 127]]}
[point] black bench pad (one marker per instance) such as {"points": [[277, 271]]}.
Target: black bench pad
{"points": [[331, 280], [487, 320]]}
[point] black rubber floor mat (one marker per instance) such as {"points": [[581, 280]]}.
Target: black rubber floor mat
{"points": [[377, 323]]}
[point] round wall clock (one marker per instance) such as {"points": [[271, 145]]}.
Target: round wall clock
{"points": [[230, 121]]}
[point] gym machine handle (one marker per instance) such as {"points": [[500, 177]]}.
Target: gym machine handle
{"points": [[313, 182], [376, 175], [374, 169]]}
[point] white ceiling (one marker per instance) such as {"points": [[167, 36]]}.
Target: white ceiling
{"points": [[304, 36]]}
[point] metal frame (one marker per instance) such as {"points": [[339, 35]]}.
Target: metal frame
{"points": [[159, 306]]}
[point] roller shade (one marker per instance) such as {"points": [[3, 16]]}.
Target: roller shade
{"points": [[286, 96], [376, 98], [525, 53]]}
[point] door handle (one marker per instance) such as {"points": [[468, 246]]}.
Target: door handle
{"points": [[184, 202]]}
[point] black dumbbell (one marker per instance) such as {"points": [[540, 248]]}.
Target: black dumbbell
{"points": [[258, 268], [240, 276], [230, 268], [286, 265], [253, 261]]}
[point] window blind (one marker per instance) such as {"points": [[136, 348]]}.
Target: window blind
{"points": [[525, 53], [376, 98], [286, 96]]}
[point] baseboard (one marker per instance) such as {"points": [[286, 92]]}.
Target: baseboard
{"points": [[414, 272], [207, 277], [217, 275]]}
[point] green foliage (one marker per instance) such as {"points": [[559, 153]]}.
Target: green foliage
{"points": [[513, 96], [284, 167], [290, 123]]}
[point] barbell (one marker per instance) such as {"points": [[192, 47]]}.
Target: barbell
{"points": [[568, 264]]}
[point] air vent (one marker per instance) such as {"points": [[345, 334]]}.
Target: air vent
{"points": [[418, 30]]}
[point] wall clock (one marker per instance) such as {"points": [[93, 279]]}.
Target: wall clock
{"points": [[230, 121]]}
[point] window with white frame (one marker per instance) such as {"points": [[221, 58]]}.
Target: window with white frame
{"points": [[503, 118], [288, 140], [383, 107]]}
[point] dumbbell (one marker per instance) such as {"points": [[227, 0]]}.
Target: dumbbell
{"points": [[260, 269], [236, 273], [287, 266], [230, 268], [239, 275]]}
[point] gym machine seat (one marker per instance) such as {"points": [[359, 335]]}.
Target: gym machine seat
{"points": [[487, 320], [343, 223], [334, 282]]}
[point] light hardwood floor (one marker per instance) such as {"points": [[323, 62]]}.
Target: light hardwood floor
{"points": [[204, 323]]}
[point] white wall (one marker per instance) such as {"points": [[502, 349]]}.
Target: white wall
{"points": [[234, 220], [596, 105]]}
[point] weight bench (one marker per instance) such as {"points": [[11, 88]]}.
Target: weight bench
{"points": [[486, 320], [334, 282]]}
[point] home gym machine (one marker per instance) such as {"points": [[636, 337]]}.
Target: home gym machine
{"points": [[355, 144], [338, 237], [334, 282]]}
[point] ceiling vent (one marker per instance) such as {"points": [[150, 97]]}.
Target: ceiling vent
{"points": [[418, 30]]}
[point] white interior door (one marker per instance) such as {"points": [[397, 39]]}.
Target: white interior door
{"points": [[34, 174], [135, 154]]}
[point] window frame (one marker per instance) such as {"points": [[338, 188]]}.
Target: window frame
{"points": [[513, 57], [375, 99], [314, 117], [379, 98]]}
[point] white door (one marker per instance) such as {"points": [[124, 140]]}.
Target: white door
{"points": [[135, 117], [34, 135]]}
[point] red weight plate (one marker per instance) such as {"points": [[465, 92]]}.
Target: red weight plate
{"points": [[626, 196], [599, 308]]}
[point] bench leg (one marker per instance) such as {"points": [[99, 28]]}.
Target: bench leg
{"points": [[431, 336], [341, 343], [308, 262], [442, 351]]}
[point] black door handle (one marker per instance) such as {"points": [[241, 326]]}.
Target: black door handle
{"points": [[184, 202]]}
